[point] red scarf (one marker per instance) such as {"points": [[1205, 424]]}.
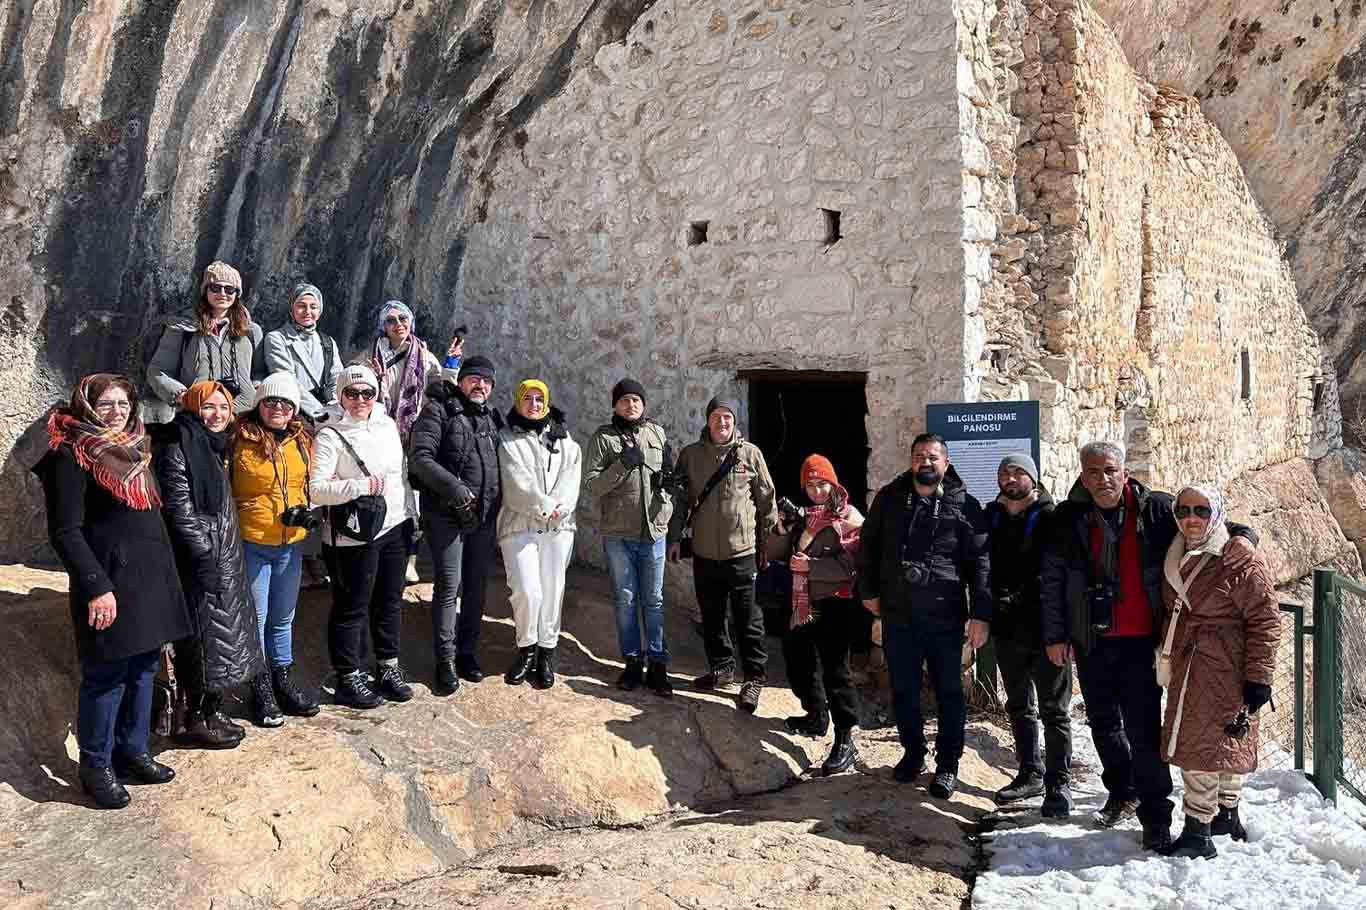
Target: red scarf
{"points": [[119, 460], [834, 515]]}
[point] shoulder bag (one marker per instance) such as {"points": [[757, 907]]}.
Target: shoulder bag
{"points": [[362, 518]]}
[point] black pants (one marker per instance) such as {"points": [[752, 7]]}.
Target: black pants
{"points": [[1124, 707], [1036, 688], [367, 589], [462, 570], [725, 590], [817, 656]]}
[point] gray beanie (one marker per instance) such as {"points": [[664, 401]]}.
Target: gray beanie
{"points": [[730, 404], [1024, 463]]}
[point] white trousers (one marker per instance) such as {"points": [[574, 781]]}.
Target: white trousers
{"points": [[536, 564], [1206, 791]]}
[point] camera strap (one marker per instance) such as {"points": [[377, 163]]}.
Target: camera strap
{"points": [[713, 482]]}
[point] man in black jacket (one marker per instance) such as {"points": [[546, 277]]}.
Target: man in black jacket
{"points": [[453, 463], [1034, 685], [1102, 595], [923, 568]]}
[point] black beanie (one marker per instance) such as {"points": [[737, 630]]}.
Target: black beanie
{"points": [[627, 386], [730, 404], [478, 365]]}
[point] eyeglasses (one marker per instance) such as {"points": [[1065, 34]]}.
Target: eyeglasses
{"points": [[113, 406], [226, 290], [1204, 512], [476, 379], [353, 394], [277, 403], [395, 320]]}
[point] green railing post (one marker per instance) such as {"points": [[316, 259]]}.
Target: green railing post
{"points": [[1326, 735], [1299, 689]]}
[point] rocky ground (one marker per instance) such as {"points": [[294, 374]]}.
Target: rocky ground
{"points": [[582, 796]]}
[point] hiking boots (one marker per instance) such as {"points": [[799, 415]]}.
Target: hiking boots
{"points": [[1227, 822], [909, 768], [144, 769], [657, 680], [447, 681], [208, 728], [944, 783], [1115, 810], [634, 674], [714, 679], [292, 700], [264, 710], [749, 696], [521, 667], [1026, 785], [545, 668], [842, 753], [468, 667], [813, 723], [103, 787], [353, 690], [1157, 835], [1057, 802], [391, 684], [1194, 842]]}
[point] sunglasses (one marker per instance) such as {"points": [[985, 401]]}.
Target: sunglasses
{"points": [[226, 290], [353, 394], [1200, 512], [395, 320], [279, 404]]}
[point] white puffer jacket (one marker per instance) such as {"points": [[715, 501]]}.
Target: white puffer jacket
{"points": [[536, 481], [335, 478]]}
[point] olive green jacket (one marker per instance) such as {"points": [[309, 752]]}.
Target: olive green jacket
{"points": [[724, 526], [632, 502]]}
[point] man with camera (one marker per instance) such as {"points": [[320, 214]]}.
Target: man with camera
{"points": [[725, 482], [923, 567], [1101, 592], [1034, 685]]}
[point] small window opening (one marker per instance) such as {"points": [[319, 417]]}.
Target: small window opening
{"points": [[1245, 371], [831, 217], [697, 233], [1318, 397], [998, 360]]}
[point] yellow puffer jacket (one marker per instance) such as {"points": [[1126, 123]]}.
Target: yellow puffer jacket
{"points": [[268, 479]]}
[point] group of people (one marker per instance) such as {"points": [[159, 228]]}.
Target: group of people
{"points": [[183, 518]]}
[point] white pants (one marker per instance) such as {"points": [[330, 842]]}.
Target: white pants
{"points": [[1206, 791], [536, 564]]}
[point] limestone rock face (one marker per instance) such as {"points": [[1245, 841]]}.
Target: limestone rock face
{"points": [[1342, 476]]}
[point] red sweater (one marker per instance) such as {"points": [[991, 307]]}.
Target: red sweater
{"points": [[1133, 615]]}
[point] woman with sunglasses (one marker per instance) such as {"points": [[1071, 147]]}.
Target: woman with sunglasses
{"points": [[105, 524], [1217, 657], [269, 470], [218, 343], [360, 455], [190, 460]]}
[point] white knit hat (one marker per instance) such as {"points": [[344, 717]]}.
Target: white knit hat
{"points": [[279, 385], [356, 374]]}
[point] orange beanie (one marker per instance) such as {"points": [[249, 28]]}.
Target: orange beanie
{"points": [[818, 467]]}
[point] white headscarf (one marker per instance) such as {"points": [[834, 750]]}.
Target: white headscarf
{"points": [[1217, 512]]}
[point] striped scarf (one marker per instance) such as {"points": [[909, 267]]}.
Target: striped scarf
{"points": [[410, 384], [119, 460]]}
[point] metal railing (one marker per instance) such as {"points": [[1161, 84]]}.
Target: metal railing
{"points": [[1284, 737], [1339, 685]]}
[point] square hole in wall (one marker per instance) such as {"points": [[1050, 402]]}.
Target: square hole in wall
{"points": [[830, 222], [697, 233], [1318, 397], [1245, 374]]}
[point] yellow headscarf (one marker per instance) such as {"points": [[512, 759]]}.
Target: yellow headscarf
{"points": [[526, 386]]}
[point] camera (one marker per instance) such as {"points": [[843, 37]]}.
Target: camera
{"points": [[1102, 601], [916, 574], [232, 385], [320, 393], [1005, 601], [791, 512], [299, 517]]}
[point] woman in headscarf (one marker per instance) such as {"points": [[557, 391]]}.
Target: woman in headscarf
{"points": [[299, 347], [819, 546], [1217, 657], [190, 460], [104, 521], [540, 468], [219, 342]]}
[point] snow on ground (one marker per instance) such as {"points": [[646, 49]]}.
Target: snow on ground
{"points": [[1301, 853]]}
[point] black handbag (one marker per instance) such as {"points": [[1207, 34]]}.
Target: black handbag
{"points": [[362, 518]]}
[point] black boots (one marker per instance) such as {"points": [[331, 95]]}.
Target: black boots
{"points": [[103, 787], [1194, 842], [632, 676], [264, 711], [1057, 801], [390, 684], [842, 753], [1115, 810], [447, 680], [714, 679], [206, 727], [1157, 835], [1026, 785], [813, 723], [144, 769], [909, 768], [292, 700], [468, 668], [353, 690], [1227, 822], [657, 680], [944, 783], [521, 667], [749, 696], [545, 668]]}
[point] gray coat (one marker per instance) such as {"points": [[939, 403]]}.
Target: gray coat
{"points": [[186, 355], [292, 351]]}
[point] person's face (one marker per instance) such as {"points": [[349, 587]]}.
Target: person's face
{"points": [[221, 297], [721, 425], [216, 412], [1193, 515], [113, 408], [397, 326], [818, 491], [929, 461], [276, 413], [1015, 482], [532, 404], [629, 407], [1104, 478], [358, 401], [306, 310], [476, 388]]}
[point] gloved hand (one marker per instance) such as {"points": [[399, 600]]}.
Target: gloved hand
{"points": [[1255, 695], [632, 457]]}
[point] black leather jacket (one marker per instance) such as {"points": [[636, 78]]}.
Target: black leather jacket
{"points": [[453, 458]]}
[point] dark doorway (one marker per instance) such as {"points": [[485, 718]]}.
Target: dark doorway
{"points": [[793, 414]]}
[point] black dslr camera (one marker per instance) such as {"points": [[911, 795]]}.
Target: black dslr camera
{"points": [[232, 385], [1102, 598], [917, 574], [299, 517], [791, 512]]}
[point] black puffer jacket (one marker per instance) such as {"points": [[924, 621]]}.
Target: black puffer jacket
{"points": [[1017, 543], [453, 458], [224, 649], [946, 533]]}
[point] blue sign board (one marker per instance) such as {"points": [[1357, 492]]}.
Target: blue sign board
{"points": [[980, 434]]}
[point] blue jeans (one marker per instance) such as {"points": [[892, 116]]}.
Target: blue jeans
{"points": [[273, 574], [114, 708], [637, 568], [940, 646]]}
